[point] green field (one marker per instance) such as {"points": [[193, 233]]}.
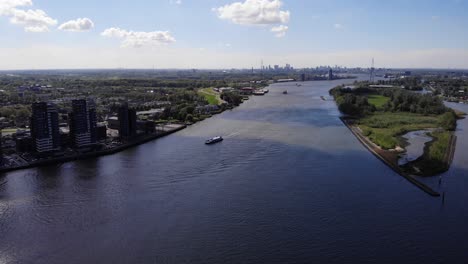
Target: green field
{"points": [[211, 96], [377, 100], [384, 128], [8, 131]]}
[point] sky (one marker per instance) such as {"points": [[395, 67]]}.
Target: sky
{"points": [[223, 34]]}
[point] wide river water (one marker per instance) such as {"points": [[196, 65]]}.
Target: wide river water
{"points": [[289, 184]]}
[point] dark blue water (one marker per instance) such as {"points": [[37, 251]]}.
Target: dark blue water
{"points": [[289, 184]]}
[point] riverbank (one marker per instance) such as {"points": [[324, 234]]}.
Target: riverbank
{"points": [[390, 158], [95, 154], [25, 164]]}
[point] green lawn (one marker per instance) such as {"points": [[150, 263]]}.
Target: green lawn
{"points": [[211, 96], [384, 128], [8, 131], [377, 100]]}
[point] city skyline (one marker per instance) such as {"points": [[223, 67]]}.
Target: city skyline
{"points": [[231, 34]]}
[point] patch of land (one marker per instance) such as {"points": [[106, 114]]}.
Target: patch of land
{"points": [[380, 117], [389, 157], [437, 157], [211, 96], [385, 128], [378, 100]]}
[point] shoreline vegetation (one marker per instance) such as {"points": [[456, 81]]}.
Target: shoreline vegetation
{"points": [[380, 117]]}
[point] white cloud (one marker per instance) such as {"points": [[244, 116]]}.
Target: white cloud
{"points": [[7, 6], [33, 20], [77, 25], [177, 2], [254, 12], [338, 26], [435, 17], [139, 38], [280, 31]]}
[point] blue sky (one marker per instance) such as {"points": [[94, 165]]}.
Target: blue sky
{"points": [[234, 33]]}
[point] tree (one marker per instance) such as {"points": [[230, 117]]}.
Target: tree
{"points": [[448, 120]]}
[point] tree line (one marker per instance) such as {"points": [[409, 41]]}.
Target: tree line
{"points": [[354, 102]]}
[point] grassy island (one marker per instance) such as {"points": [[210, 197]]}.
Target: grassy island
{"points": [[380, 117]]}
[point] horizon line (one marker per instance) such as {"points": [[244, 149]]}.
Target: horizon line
{"points": [[221, 69]]}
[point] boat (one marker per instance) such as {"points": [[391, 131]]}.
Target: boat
{"points": [[214, 140], [285, 92], [259, 92], [266, 90]]}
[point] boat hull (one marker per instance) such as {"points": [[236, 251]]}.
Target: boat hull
{"points": [[213, 141]]}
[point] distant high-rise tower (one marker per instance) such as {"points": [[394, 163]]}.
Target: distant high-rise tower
{"points": [[263, 68], [83, 123], [45, 127], [127, 122], [372, 72], [303, 77], [330, 74]]}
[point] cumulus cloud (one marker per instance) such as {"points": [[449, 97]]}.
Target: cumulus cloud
{"points": [[33, 20], [338, 26], [177, 2], [139, 38], [280, 31], [77, 25], [8, 6], [256, 12]]}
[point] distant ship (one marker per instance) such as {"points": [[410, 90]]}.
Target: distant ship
{"points": [[214, 140], [259, 92], [285, 92]]}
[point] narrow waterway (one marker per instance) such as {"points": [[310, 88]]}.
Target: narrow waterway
{"points": [[416, 141], [289, 184]]}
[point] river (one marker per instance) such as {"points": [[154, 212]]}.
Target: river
{"points": [[289, 184]]}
